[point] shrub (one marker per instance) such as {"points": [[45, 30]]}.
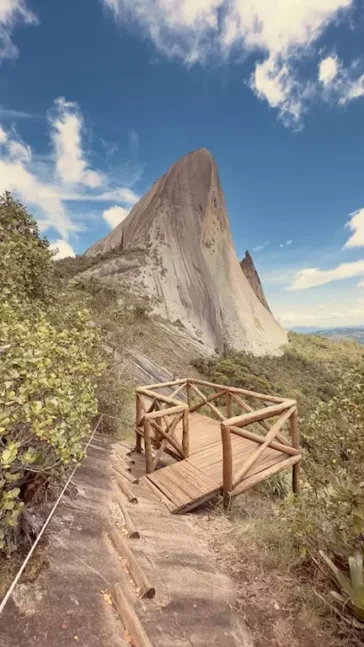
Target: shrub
{"points": [[48, 371]]}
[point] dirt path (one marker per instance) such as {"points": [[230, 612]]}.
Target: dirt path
{"points": [[194, 602]]}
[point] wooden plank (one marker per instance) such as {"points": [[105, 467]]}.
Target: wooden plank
{"points": [[262, 476], [129, 617], [169, 488], [193, 475], [156, 491]]}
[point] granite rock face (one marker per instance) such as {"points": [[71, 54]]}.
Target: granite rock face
{"points": [[176, 249]]}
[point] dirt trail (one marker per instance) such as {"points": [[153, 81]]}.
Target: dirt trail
{"points": [[194, 598]]}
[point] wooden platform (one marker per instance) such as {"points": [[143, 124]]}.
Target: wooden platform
{"points": [[190, 482]]}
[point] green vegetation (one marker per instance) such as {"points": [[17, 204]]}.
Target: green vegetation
{"points": [[323, 527], [49, 364], [308, 371]]}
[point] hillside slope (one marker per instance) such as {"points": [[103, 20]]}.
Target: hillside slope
{"points": [[176, 248]]}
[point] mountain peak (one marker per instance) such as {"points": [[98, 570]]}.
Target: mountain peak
{"points": [[176, 248]]}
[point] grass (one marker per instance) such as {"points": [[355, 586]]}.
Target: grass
{"points": [[308, 371]]}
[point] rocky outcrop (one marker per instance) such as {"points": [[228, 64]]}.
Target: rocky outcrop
{"points": [[248, 267], [176, 248]]}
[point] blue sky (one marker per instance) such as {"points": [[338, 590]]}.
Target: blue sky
{"points": [[99, 97]]}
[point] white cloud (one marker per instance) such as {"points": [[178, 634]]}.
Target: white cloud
{"points": [[19, 151], [281, 32], [341, 84], [114, 216], [353, 316], [3, 136], [49, 186], [286, 244], [356, 225], [313, 276], [66, 129], [63, 249], [328, 69], [12, 14], [259, 248]]}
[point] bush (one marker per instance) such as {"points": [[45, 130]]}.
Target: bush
{"points": [[48, 371]]}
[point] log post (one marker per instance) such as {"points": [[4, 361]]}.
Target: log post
{"points": [[189, 395], [138, 415], [148, 446], [227, 463], [186, 433], [295, 443], [229, 408]]}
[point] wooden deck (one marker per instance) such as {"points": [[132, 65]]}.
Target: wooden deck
{"points": [[186, 484]]}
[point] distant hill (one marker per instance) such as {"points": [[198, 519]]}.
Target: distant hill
{"points": [[355, 333]]}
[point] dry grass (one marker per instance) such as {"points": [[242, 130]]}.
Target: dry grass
{"points": [[274, 591]]}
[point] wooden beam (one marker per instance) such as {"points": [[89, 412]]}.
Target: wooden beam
{"points": [[261, 448], [160, 413], [126, 489], [162, 385], [295, 442], [170, 439], [148, 445], [186, 433], [178, 390], [126, 475], [229, 407], [234, 389], [129, 617], [132, 531], [138, 575], [211, 406], [159, 396], [189, 395], [227, 459], [286, 449], [262, 476], [209, 398], [169, 431], [263, 423], [261, 414]]}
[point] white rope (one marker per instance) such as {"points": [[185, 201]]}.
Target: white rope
{"points": [[20, 571]]}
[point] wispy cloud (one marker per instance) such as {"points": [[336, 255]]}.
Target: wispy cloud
{"points": [[280, 34], [52, 184], [9, 113], [356, 225], [313, 276], [286, 244], [259, 248], [12, 14]]}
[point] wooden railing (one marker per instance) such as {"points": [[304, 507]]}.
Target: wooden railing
{"points": [[158, 415]]}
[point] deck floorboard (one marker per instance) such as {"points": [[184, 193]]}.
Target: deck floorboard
{"points": [[188, 483]]}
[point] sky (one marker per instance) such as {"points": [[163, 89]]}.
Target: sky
{"points": [[99, 97]]}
